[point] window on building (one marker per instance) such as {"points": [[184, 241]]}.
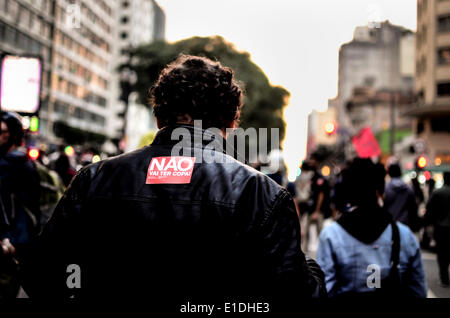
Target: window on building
{"points": [[102, 101], [73, 67], [440, 124], [16, 38], [443, 89], [24, 16], [444, 55], [2, 32], [10, 35], [35, 47], [13, 9], [444, 23], [124, 20], [78, 113], [124, 35], [31, 21], [420, 127], [125, 4]]}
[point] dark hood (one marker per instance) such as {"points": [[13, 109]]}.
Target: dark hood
{"points": [[366, 224], [397, 184]]}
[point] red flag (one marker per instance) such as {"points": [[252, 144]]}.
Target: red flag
{"points": [[365, 144]]}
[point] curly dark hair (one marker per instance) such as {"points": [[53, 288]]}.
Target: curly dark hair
{"points": [[199, 87]]}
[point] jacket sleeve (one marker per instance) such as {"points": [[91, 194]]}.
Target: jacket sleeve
{"points": [[45, 269], [293, 271], [326, 261]]}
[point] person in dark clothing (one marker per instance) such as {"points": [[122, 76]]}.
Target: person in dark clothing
{"points": [[431, 186], [438, 215], [399, 199], [417, 190], [317, 207], [64, 169], [164, 221], [19, 198]]}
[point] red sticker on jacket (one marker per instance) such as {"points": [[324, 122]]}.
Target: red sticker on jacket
{"points": [[174, 170]]}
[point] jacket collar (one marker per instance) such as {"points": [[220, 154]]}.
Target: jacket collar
{"points": [[195, 137], [173, 134]]}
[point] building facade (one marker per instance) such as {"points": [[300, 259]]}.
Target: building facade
{"points": [[432, 83], [26, 27], [381, 58], [82, 43], [81, 70], [139, 22]]}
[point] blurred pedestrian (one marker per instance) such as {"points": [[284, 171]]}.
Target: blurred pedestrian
{"points": [[438, 214], [365, 253], [317, 208], [277, 171], [400, 201], [64, 168], [206, 227], [417, 190], [51, 190], [19, 195], [431, 186]]}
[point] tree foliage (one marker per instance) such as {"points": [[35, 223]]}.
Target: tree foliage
{"points": [[263, 102]]}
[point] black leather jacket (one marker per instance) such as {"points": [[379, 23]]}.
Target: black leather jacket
{"points": [[230, 231]]}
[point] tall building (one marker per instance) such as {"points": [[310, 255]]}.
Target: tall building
{"points": [[432, 84], [381, 58], [159, 29], [26, 27], [139, 22], [81, 103]]}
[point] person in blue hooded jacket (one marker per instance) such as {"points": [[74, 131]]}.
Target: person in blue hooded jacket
{"points": [[355, 252]]}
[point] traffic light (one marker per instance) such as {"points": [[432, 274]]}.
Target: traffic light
{"points": [[34, 124], [69, 151], [33, 153], [330, 128], [421, 162]]}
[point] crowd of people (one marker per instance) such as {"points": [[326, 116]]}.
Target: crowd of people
{"points": [[30, 189], [348, 222], [221, 227]]}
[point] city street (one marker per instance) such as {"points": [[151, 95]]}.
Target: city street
{"points": [[205, 147]]}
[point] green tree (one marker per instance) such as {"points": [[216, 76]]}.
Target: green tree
{"points": [[263, 102]]}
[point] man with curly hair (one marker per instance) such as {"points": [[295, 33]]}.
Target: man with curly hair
{"points": [[162, 222]]}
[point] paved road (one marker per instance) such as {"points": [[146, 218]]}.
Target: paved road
{"points": [[432, 276]]}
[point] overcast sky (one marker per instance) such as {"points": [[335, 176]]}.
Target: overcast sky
{"points": [[295, 42]]}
